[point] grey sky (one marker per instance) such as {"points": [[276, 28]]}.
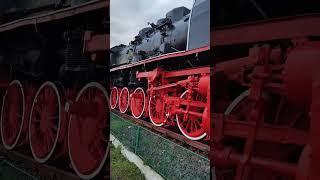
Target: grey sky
{"points": [[127, 17]]}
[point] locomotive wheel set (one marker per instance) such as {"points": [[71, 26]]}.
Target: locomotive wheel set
{"points": [[42, 107], [43, 119], [164, 74], [176, 98], [266, 97]]}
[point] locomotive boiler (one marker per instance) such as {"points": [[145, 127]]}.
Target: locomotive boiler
{"points": [[169, 34], [163, 74], [265, 93], [53, 59]]}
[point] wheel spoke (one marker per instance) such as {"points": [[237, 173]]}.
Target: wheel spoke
{"points": [[53, 117]]}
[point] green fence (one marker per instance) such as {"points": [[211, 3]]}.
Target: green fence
{"points": [[167, 158], [9, 171]]}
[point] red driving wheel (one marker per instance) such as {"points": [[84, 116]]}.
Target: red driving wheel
{"points": [[88, 132], [137, 102], [12, 115], [114, 97], [192, 126], [45, 122]]}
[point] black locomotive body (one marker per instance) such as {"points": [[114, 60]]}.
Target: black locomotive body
{"points": [[53, 50], [15, 9], [169, 34], [181, 29]]}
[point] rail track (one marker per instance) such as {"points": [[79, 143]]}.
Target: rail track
{"points": [[199, 147], [56, 169]]}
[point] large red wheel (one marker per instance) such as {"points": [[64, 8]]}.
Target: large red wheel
{"points": [[192, 126], [243, 108], [12, 115], [88, 133], [156, 110], [114, 96], [45, 122], [137, 102], [124, 100]]}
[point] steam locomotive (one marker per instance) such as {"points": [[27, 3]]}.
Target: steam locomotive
{"points": [[49, 68], [169, 34], [177, 44]]}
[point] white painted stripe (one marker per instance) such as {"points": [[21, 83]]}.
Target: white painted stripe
{"points": [[149, 173]]}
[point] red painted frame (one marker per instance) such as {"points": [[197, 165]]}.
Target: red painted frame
{"points": [[290, 28], [161, 57]]}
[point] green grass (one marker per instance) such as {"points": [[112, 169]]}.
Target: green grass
{"points": [[121, 168]]}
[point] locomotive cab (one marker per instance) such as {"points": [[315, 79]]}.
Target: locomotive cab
{"points": [[200, 17], [177, 14]]}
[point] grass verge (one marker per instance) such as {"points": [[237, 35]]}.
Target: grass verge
{"points": [[121, 168]]}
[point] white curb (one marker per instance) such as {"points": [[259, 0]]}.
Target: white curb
{"points": [[149, 173]]}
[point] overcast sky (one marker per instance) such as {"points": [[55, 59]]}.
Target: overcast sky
{"points": [[127, 17]]}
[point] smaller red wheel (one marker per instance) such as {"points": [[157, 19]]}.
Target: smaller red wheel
{"points": [[12, 115], [114, 97], [191, 126], [137, 102], [156, 111], [124, 100]]}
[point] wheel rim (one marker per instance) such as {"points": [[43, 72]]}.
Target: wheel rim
{"points": [[12, 114], [45, 122], [114, 97], [192, 126], [137, 103], [237, 101], [124, 100], [87, 135], [156, 114]]}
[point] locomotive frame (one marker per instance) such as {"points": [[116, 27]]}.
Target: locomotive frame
{"points": [[266, 127]]}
